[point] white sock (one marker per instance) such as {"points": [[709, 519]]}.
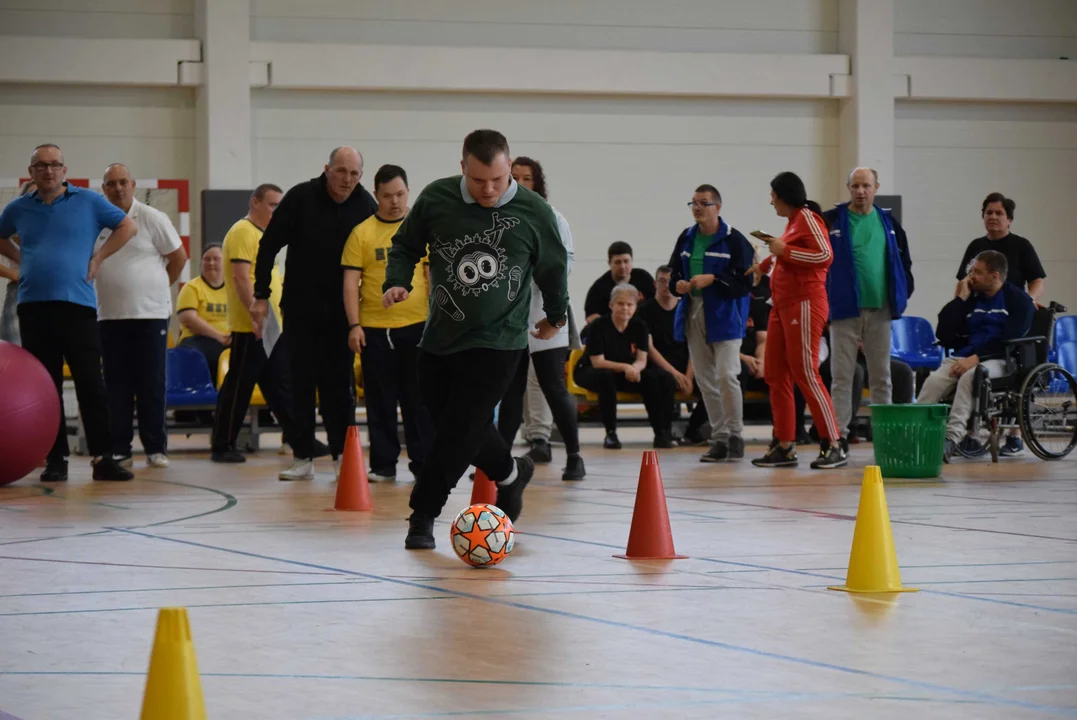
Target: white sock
{"points": [[512, 475]]}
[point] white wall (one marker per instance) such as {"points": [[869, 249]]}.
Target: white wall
{"points": [[950, 156], [617, 169], [98, 18], [986, 28]]}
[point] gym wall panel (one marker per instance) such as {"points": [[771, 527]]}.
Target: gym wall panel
{"points": [[950, 156], [619, 169], [986, 28], [99, 18], [791, 26]]}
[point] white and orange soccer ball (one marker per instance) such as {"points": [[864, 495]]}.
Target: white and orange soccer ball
{"points": [[482, 535]]}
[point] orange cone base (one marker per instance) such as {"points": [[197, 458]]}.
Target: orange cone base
{"points": [[483, 489], [660, 557]]}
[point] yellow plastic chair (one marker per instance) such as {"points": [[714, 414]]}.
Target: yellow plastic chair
{"points": [[358, 367], [257, 400]]}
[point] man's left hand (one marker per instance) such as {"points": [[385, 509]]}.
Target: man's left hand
{"points": [[95, 265], [699, 282], [544, 330], [963, 365]]}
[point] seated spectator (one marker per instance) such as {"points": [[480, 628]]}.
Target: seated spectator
{"points": [[202, 309], [615, 359], [669, 354], [755, 338], [621, 271], [987, 312]]}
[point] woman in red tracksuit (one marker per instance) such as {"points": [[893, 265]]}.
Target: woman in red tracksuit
{"points": [[801, 259]]}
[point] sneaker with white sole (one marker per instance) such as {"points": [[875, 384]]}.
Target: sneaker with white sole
{"points": [[157, 460], [375, 477], [125, 461], [300, 470], [336, 467]]}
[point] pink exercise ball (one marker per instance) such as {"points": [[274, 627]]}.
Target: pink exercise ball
{"points": [[29, 413]]}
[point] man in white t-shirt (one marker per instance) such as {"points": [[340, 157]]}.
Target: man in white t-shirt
{"points": [[134, 305]]}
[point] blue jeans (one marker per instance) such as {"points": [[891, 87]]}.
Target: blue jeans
{"points": [[134, 359]]}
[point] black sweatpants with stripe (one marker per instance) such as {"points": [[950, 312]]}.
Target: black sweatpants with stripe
{"points": [[247, 366]]}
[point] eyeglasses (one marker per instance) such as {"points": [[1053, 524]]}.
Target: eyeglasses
{"points": [[42, 167], [693, 204]]}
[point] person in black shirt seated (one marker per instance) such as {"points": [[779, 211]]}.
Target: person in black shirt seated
{"points": [[666, 352], [615, 359], [976, 324], [755, 338], [621, 271]]}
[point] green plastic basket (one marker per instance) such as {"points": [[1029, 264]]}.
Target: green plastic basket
{"points": [[909, 439]]}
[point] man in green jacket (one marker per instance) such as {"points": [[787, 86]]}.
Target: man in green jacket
{"points": [[487, 238]]}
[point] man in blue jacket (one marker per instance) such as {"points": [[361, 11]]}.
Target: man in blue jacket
{"points": [[976, 324], [710, 262], [869, 284]]}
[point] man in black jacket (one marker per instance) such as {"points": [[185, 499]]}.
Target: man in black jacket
{"points": [[314, 220], [976, 324]]}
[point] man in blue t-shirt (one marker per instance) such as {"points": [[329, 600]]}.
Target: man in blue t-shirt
{"points": [[976, 325], [58, 225]]}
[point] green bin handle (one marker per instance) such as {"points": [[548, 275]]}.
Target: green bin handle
{"points": [[939, 411]]}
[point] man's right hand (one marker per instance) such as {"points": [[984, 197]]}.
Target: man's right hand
{"points": [[631, 373], [224, 339], [963, 289], [683, 286], [259, 309], [356, 339], [684, 384], [392, 296], [752, 363]]}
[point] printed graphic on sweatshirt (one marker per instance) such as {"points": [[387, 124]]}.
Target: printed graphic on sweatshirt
{"points": [[475, 264]]}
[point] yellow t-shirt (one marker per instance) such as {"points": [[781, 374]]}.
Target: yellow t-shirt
{"points": [[209, 302], [241, 245], [367, 250]]}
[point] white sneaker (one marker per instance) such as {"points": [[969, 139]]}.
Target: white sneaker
{"points": [[376, 478], [301, 470], [125, 462], [336, 467], [157, 460], [285, 449]]}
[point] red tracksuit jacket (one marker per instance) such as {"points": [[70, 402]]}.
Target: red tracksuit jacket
{"points": [[800, 273]]}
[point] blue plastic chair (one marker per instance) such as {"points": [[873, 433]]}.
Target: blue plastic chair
{"points": [[1067, 356], [1065, 330], [188, 383], [912, 340]]}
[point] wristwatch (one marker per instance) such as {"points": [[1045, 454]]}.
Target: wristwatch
{"points": [[560, 323]]}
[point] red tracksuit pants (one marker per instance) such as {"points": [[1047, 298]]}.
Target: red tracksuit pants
{"points": [[792, 356]]}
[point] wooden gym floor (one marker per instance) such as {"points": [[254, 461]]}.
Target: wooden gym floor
{"points": [[300, 612]]}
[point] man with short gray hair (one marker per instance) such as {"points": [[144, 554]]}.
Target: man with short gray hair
{"points": [[869, 284]]}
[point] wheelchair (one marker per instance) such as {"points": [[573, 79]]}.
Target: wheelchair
{"points": [[1033, 394]]}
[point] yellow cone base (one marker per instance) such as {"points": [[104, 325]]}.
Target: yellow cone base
{"points": [[873, 565], [173, 688]]}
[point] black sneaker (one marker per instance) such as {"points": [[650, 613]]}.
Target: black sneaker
{"points": [[844, 443], [540, 452], [574, 469], [107, 468], [736, 448], [320, 449], [949, 449], [830, 456], [55, 471], [611, 442], [227, 456], [971, 447], [420, 533], [778, 457], [510, 498], [692, 438], [719, 452], [1014, 446], [662, 441]]}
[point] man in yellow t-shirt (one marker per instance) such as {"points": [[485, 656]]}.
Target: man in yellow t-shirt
{"points": [[202, 310], [387, 339], [249, 364]]}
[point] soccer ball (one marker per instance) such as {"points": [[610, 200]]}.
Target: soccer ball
{"points": [[482, 535]]}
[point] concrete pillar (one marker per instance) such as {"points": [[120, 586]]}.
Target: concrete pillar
{"points": [[866, 120]]}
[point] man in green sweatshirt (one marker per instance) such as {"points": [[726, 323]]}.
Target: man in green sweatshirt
{"points": [[487, 238]]}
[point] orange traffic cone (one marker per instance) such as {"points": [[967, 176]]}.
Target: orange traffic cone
{"points": [[483, 489], [353, 488], [650, 537]]}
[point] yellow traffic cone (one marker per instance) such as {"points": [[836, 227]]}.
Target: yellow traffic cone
{"points": [[173, 688], [873, 565]]}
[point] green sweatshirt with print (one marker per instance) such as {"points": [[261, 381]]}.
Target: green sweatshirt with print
{"points": [[482, 261]]}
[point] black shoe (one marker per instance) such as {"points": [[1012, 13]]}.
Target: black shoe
{"points": [[227, 456], [611, 442], [804, 438], [830, 456], [662, 441], [736, 448], [1014, 446], [107, 468], [574, 469], [719, 452], [778, 457], [971, 447], [844, 442], [510, 498], [55, 471], [692, 438], [320, 449], [540, 452], [949, 449], [420, 533]]}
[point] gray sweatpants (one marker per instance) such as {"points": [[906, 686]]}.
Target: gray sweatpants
{"points": [[538, 418], [939, 384], [717, 373], [873, 328]]}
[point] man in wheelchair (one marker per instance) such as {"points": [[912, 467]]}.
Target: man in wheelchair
{"points": [[976, 324]]}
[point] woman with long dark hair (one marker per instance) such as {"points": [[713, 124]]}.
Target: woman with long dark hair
{"points": [[800, 259]]}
